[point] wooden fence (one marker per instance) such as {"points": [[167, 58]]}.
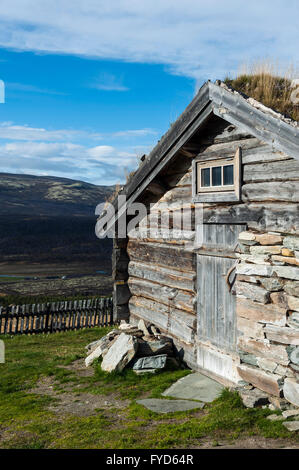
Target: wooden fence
{"points": [[55, 316]]}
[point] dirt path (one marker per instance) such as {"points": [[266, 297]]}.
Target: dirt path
{"points": [[70, 399]]}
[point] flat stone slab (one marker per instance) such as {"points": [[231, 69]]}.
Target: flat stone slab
{"points": [[195, 387], [291, 425], [158, 405], [151, 362]]}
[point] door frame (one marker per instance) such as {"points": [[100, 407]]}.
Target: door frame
{"points": [[214, 360]]}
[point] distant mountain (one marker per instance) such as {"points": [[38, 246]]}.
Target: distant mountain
{"points": [[51, 220], [49, 195]]}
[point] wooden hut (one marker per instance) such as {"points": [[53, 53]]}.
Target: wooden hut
{"points": [[229, 299]]}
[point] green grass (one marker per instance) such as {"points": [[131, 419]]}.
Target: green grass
{"points": [[11, 278], [263, 85], [27, 422]]}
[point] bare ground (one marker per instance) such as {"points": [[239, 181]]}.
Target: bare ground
{"points": [[71, 400]]}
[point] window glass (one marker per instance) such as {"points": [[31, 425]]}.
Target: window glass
{"points": [[216, 176], [205, 177], [228, 174]]}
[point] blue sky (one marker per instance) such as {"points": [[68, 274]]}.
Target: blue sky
{"points": [[91, 86]]}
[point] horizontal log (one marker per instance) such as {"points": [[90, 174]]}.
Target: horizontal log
{"points": [[167, 277], [171, 320], [261, 313], [167, 236], [264, 216], [286, 170], [282, 335], [229, 148], [181, 179], [217, 132], [146, 236], [269, 383], [287, 191], [167, 295], [162, 255], [262, 154], [180, 164], [156, 188], [260, 348], [175, 205], [182, 193], [168, 219]]}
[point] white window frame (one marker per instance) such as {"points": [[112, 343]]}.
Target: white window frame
{"points": [[223, 193], [216, 163]]}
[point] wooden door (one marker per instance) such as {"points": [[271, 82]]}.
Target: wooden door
{"points": [[215, 301]]}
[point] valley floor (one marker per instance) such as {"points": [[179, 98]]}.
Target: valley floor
{"points": [[53, 280]]}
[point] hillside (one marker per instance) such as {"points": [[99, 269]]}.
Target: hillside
{"points": [[48, 195], [51, 220]]}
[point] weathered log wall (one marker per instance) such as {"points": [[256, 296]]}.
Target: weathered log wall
{"points": [[162, 267]]}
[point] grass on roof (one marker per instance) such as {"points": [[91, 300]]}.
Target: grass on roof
{"points": [[272, 87]]}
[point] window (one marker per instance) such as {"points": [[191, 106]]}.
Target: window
{"points": [[215, 176], [216, 180]]}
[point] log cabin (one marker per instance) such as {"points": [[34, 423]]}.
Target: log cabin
{"points": [[226, 286]]}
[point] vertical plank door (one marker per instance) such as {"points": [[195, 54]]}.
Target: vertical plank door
{"points": [[216, 303]]}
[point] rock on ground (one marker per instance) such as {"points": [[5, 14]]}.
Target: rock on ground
{"points": [[142, 327], [121, 352], [291, 425], [291, 391], [196, 387], [151, 362], [289, 413], [275, 417], [151, 348], [159, 405], [100, 347], [253, 398]]}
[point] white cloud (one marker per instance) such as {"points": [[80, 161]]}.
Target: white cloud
{"points": [[108, 82], [102, 164], [194, 37], [12, 131], [9, 130], [31, 89], [70, 153], [135, 133]]}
